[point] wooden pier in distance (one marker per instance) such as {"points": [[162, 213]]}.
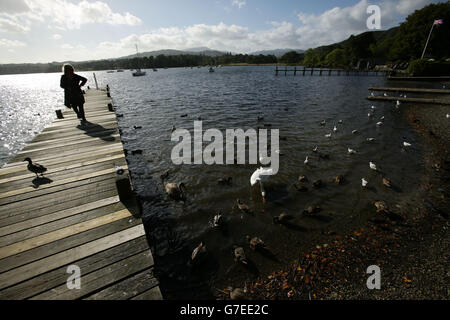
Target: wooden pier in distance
{"points": [[328, 72], [443, 100], [74, 217]]}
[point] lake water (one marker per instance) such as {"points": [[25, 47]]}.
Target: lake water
{"points": [[234, 97]]}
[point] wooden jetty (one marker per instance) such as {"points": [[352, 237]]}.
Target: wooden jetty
{"points": [[328, 72], [410, 90], [415, 100], [78, 216]]}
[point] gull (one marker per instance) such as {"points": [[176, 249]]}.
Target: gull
{"points": [[328, 135], [364, 182], [335, 129], [406, 144], [315, 149], [448, 116], [370, 114], [351, 151], [379, 123], [217, 222], [398, 102], [370, 139], [385, 94], [373, 107], [323, 123], [373, 166], [261, 175], [340, 121], [354, 131], [382, 118], [306, 160], [372, 94]]}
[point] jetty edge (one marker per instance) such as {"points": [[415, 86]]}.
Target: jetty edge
{"points": [[75, 233]]}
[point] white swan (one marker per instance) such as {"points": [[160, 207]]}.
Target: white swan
{"points": [[261, 175]]}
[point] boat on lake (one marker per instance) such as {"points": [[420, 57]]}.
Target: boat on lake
{"points": [[138, 72]]}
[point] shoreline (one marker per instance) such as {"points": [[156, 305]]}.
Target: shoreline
{"points": [[411, 246]]}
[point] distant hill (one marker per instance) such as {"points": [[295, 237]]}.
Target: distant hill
{"points": [[276, 52], [204, 51]]}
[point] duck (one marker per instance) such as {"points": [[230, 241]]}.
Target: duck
{"points": [[312, 210], [323, 123], [339, 179], [176, 191], [302, 179], [198, 252], [282, 218], [256, 243], [381, 206], [386, 182], [260, 118], [239, 255], [406, 144], [118, 169], [35, 167], [364, 182], [317, 184], [237, 294], [315, 149], [300, 188], [137, 127], [242, 206], [351, 151], [225, 181], [379, 123], [217, 221], [373, 166], [306, 160], [370, 139], [328, 135]]}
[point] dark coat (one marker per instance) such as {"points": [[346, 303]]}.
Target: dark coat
{"points": [[73, 96]]}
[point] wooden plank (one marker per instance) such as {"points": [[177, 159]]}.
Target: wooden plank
{"points": [[128, 288], [61, 233], [50, 200], [152, 294], [99, 279], [445, 78], [71, 242], [57, 183], [412, 100], [415, 90], [21, 166], [72, 142], [52, 279], [65, 168], [58, 224], [34, 222], [66, 157], [44, 265]]}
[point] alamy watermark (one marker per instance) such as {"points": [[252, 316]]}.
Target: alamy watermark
{"points": [[374, 20], [213, 153], [374, 281], [74, 280]]}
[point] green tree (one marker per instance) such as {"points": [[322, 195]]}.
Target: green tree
{"points": [[336, 58]]}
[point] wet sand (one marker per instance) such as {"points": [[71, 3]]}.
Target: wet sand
{"points": [[411, 245]]}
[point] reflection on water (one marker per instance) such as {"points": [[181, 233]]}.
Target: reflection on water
{"points": [[234, 97]]}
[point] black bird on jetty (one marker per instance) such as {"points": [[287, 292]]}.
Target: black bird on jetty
{"points": [[35, 168]]}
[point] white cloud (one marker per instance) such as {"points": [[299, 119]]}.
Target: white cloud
{"points": [[61, 14], [238, 3], [67, 46], [338, 24], [6, 43], [56, 37], [13, 6], [8, 25]]}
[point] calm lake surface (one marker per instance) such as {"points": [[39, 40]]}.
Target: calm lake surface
{"points": [[234, 97]]}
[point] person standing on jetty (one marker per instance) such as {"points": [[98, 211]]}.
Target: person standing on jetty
{"points": [[73, 95]]}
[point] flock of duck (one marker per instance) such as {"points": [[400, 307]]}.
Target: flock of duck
{"points": [[177, 191]]}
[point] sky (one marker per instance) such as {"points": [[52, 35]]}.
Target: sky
{"points": [[60, 30]]}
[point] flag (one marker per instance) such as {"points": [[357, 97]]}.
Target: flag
{"points": [[439, 21]]}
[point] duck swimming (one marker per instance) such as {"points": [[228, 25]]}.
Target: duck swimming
{"points": [[35, 168]]}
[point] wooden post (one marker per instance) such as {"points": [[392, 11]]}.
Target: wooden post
{"points": [[285, 71], [320, 72], [96, 84], [295, 71], [312, 70], [276, 71], [110, 107], [339, 72], [59, 114], [329, 72], [304, 70]]}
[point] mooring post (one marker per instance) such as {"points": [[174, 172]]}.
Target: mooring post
{"points": [[96, 84], [276, 70], [320, 73], [59, 114], [108, 94], [312, 70], [329, 72], [304, 70], [295, 71]]}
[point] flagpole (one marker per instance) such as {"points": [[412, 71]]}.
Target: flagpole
{"points": [[426, 44]]}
